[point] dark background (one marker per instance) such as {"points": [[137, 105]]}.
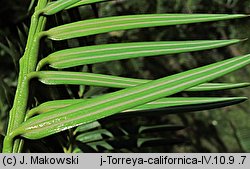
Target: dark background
{"points": [[209, 131]]}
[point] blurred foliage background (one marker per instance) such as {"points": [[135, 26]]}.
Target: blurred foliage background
{"points": [[220, 130]]}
